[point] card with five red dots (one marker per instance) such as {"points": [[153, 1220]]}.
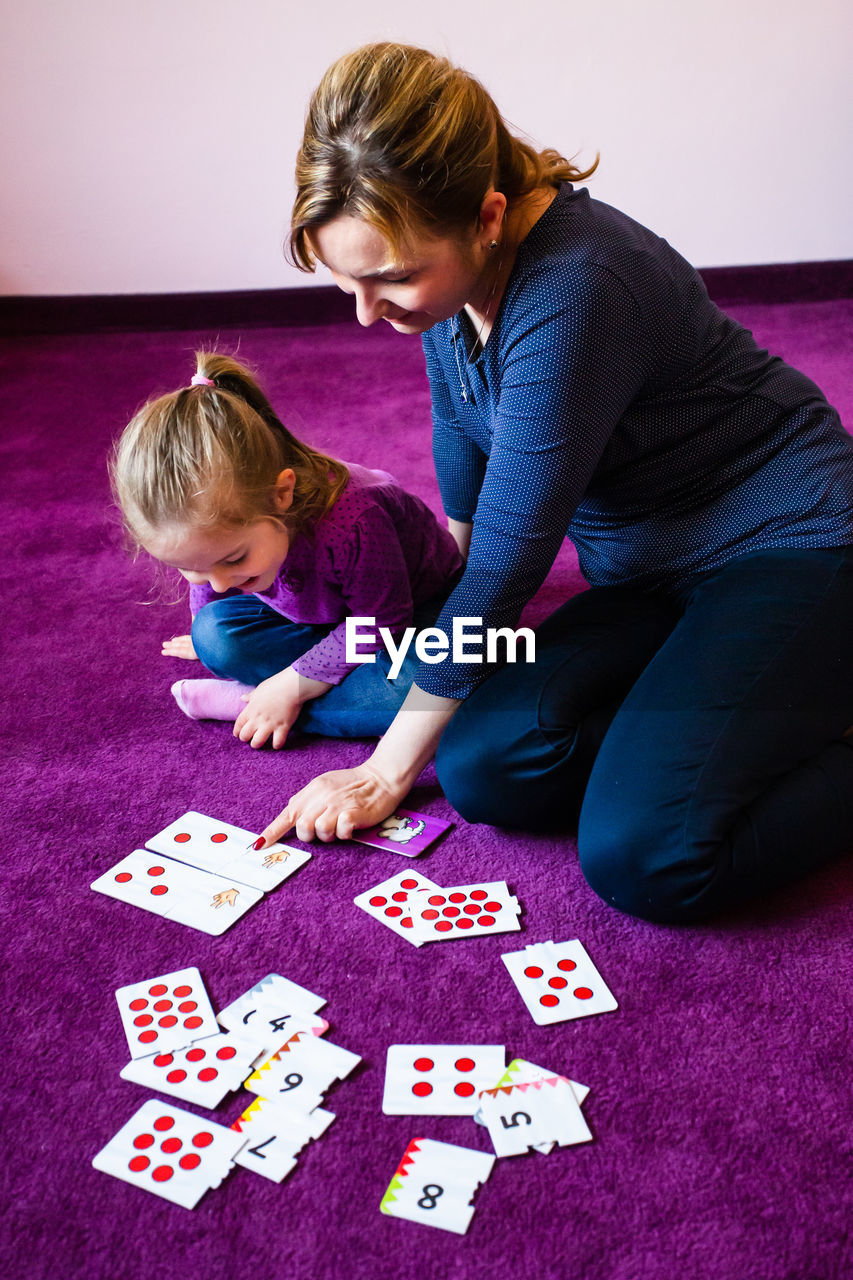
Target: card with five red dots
{"points": [[464, 911], [166, 1013], [391, 903], [439, 1079], [225, 850], [177, 892], [435, 1183], [403, 832], [171, 1153], [558, 981], [204, 1073], [276, 1134]]}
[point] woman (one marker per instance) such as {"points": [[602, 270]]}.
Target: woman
{"points": [[689, 710]]}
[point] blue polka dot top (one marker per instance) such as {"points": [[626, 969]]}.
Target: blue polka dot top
{"points": [[615, 404]]}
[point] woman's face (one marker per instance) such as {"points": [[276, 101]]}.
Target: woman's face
{"points": [[432, 281]]}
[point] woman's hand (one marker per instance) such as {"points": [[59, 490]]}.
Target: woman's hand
{"points": [[335, 804], [272, 708], [179, 647]]}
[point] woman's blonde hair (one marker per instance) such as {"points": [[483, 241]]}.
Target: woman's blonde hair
{"points": [[210, 455], [403, 140]]}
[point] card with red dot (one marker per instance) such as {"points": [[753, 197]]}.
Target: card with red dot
{"points": [[435, 1183], [177, 892], [464, 911], [302, 1070], [391, 903], [558, 981], [276, 1134], [403, 832], [204, 1073], [166, 1013], [535, 1113], [170, 1153], [439, 1079], [227, 851]]}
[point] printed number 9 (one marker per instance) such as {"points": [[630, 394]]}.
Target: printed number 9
{"points": [[291, 1082], [431, 1192], [513, 1122]]}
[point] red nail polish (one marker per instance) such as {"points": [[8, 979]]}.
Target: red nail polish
{"points": [[259, 843]]}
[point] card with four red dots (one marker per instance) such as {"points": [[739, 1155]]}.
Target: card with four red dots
{"points": [[558, 981], [439, 1079]]}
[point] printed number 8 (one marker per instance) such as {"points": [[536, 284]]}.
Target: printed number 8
{"points": [[516, 1116], [431, 1192], [291, 1082]]}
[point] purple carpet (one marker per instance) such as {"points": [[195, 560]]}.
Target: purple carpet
{"points": [[720, 1089]]}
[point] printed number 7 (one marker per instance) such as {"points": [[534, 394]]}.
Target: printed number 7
{"points": [[513, 1122]]}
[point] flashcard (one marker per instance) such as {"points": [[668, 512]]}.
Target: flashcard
{"points": [[165, 1013], [521, 1072], [170, 1152], [264, 1013], [391, 903], [558, 981], [465, 910], [403, 832], [521, 1116], [435, 1183], [439, 1079], [204, 1073], [227, 851], [302, 1069], [177, 892], [276, 1134]]}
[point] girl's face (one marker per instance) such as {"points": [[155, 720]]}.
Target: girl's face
{"points": [[434, 279]]}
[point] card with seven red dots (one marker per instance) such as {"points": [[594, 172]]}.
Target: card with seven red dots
{"points": [[520, 1116], [225, 850], [391, 903], [177, 892], [204, 1073], [302, 1070], [435, 1183], [439, 1079], [276, 1134], [558, 981], [166, 1013], [403, 832], [465, 910], [170, 1153]]}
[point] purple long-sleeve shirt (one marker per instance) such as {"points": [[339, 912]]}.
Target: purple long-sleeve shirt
{"points": [[377, 554]]}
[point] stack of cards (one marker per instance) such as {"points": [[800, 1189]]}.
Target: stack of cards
{"points": [[211, 876], [404, 832], [421, 911]]}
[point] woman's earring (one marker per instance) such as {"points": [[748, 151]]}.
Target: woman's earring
{"points": [[493, 244]]}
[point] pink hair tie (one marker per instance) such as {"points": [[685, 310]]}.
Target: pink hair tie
{"points": [[199, 380]]}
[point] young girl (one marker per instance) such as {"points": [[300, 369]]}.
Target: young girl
{"points": [[280, 543]]}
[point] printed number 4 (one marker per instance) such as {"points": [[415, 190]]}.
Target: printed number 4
{"points": [[512, 1123]]}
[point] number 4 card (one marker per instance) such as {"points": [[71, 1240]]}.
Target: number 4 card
{"points": [[435, 1183]]}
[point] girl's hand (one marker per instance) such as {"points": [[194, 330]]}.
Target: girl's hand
{"points": [[335, 804], [179, 647], [272, 708]]}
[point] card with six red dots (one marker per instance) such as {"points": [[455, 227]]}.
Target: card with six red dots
{"points": [[203, 1073], [439, 1079], [558, 981], [165, 1013]]}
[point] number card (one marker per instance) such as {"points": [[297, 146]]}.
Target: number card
{"points": [[276, 1134], [521, 1072], [204, 1073], [227, 851], [439, 1079], [264, 1013], [435, 1183], [303, 1069], [165, 1013], [558, 981], [403, 832], [522, 1116]]}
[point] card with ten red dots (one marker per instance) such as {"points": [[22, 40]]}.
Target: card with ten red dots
{"points": [[439, 1079], [558, 981], [464, 911], [391, 903], [170, 1153], [204, 1073], [166, 1013]]}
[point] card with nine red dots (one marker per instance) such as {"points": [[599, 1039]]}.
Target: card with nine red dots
{"points": [[166, 1013], [464, 911], [558, 981]]}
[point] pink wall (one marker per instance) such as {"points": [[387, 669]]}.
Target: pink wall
{"points": [[149, 147]]}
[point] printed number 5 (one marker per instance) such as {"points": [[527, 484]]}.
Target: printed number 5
{"points": [[512, 1123]]}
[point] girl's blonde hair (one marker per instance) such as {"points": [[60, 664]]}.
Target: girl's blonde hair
{"points": [[403, 140], [210, 456]]}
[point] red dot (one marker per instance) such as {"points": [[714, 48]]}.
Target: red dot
{"points": [[457, 897], [492, 906], [423, 1064], [142, 1141], [464, 1064], [399, 897], [162, 1173], [478, 895], [143, 1020], [193, 1022], [377, 902], [139, 1003], [191, 1161], [160, 889], [533, 971], [219, 838], [464, 1089], [444, 926], [138, 1163], [195, 1055], [583, 993], [393, 912], [182, 991], [202, 1139], [162, 1005], [164, 1122], [485, 921], [430, 914], [187, 1006], [436, 900], [549, 1001], [170, 1145], [168, 1021], [176, 1076], [157, 871], [208, 1073], [182, 837], [557, 983], [147, 1036], [471, 909], [123, 877], [408, 884], [464, 922], [422, 1089], [450, 911], [163, 1060], [566, 965], [408, 923], [227, 1051]]}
